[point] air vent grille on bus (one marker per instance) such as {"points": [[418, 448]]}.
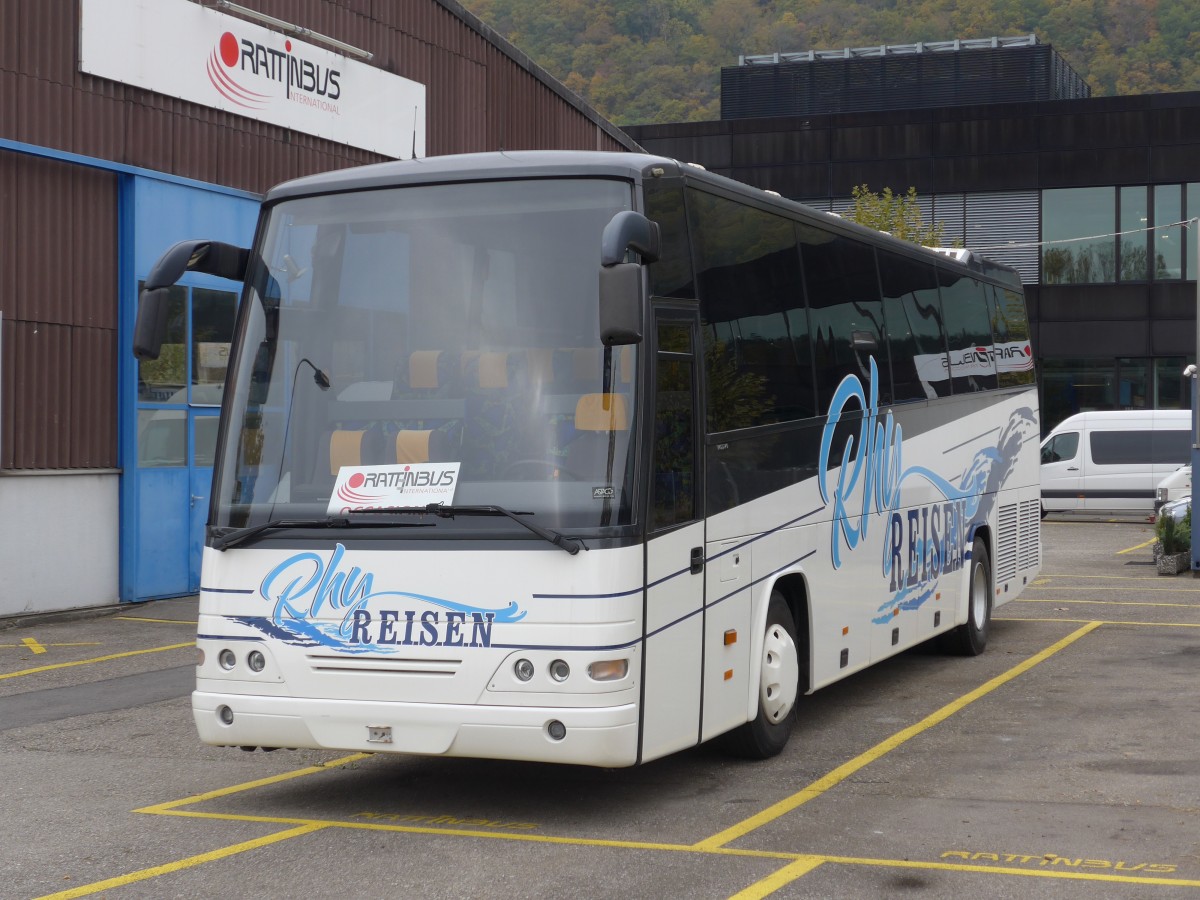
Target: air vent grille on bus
{"points": [[1031, 527], [1006, 545], [385, 665]]}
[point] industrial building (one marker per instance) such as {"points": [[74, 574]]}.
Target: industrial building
{"points": [[1087, 197], [126, 125]]}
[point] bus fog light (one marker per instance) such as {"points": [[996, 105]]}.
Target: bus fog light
{"points": [[556, 729], [226, 659], [608, 670], [559, 670], [225, 714], [256, 661], [523, 669]]}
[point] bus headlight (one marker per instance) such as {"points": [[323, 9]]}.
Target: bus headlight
{"points": [[226, 659], [559, 670], [523, 669], [256, 661], [608, 670]]}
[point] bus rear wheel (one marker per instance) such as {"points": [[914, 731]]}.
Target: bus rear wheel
{"points": [[970, 638], [778, 685]]}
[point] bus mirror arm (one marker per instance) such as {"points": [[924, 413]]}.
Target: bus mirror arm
{"points": [[629, 230]]}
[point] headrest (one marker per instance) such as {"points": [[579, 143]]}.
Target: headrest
{"points": [[414, 446], [423, 369], [601, 412], [345, 449]]}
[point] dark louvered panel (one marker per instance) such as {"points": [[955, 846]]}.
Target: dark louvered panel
{"points": [[1004, 227], [911, 76]]}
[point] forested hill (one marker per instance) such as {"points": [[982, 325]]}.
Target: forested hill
{"points": [[647, 61]]}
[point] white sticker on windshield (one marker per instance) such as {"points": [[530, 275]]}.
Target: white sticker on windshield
{"points": [[386, 487]]}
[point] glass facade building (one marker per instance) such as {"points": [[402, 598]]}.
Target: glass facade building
{"points": [[1087, 198]]}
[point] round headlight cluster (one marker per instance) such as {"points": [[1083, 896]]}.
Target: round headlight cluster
{"points": [[256, 660]]}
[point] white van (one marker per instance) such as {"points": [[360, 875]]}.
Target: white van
{"points": [[1175, 486], [1113, 460]]}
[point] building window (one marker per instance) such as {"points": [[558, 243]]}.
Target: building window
{"points": [[1135, 219], [1168, 241], [1077, 234], [1190, 235], [1171, 389]]}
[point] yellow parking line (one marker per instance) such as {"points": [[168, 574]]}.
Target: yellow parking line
{"points": [[161, 621], [95, 659], [1091, 588], [1137, 547], [33, 645], [1106, 602], [180, 864], [844, 771], [161, 808], [782, 878], [1045, 578], [1104, 622]]}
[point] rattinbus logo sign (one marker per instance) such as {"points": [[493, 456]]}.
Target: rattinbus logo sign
{"points": [[185, 49], [237, 66]]}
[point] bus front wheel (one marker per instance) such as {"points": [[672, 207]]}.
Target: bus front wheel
{"points": [[970, 638], [778, 684]]}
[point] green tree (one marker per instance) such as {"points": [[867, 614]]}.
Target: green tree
{"points": [[897, 214]]}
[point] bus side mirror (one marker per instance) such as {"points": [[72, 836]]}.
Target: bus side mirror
{"points": [[621, 304], [209, 257], [150, 329], [622, 298]]}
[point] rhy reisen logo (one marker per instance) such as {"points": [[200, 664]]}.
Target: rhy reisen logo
{"points": [[922, 542], [323, 601], [253, 76]]}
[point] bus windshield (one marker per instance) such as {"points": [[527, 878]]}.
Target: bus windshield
{"points": [[449, 331]]}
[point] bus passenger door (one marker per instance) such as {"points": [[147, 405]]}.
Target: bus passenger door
{"points": [[674, 626]]}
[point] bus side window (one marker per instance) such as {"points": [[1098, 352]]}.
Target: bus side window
{"points": [[844, 307], [757, 350], [913, 312], [969, 329]]}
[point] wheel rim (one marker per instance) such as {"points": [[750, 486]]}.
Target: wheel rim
{"points": [[979, 596], [779, 677]]}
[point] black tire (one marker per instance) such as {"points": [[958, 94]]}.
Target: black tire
{"points": [[768, 734], [970, 638]]}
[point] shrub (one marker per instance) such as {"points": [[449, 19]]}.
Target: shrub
{"points": [[1175, 535]]}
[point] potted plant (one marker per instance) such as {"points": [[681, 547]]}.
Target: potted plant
{"points": [[1175, 537]]}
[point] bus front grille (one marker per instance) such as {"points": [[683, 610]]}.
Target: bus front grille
{"points": [[386, 665]]}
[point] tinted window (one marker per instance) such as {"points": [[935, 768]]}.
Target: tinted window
{"points": [[845, 311], [1010, 328], [1061, 447], [968, 332], [1173, 447], [757, 350], [674, 485], [1111, 448], [913, 312], [671, 275]]}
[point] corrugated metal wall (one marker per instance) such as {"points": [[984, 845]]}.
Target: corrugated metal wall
{"points": [[58, 400]]}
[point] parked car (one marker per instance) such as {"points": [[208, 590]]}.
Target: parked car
{"points": [[1113, 460]]}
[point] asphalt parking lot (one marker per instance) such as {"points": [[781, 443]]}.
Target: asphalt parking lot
{"points": [[1060, 763]]}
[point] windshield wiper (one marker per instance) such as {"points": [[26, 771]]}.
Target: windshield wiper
{"points": [[571, 545], [238, 535]]}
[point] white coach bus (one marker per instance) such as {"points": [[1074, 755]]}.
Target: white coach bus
{"points": [[589, 457]]}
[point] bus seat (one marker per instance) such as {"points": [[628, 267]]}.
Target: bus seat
{"points": [[354, 447], [426, 372], [596, 416], [419, 446]]}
